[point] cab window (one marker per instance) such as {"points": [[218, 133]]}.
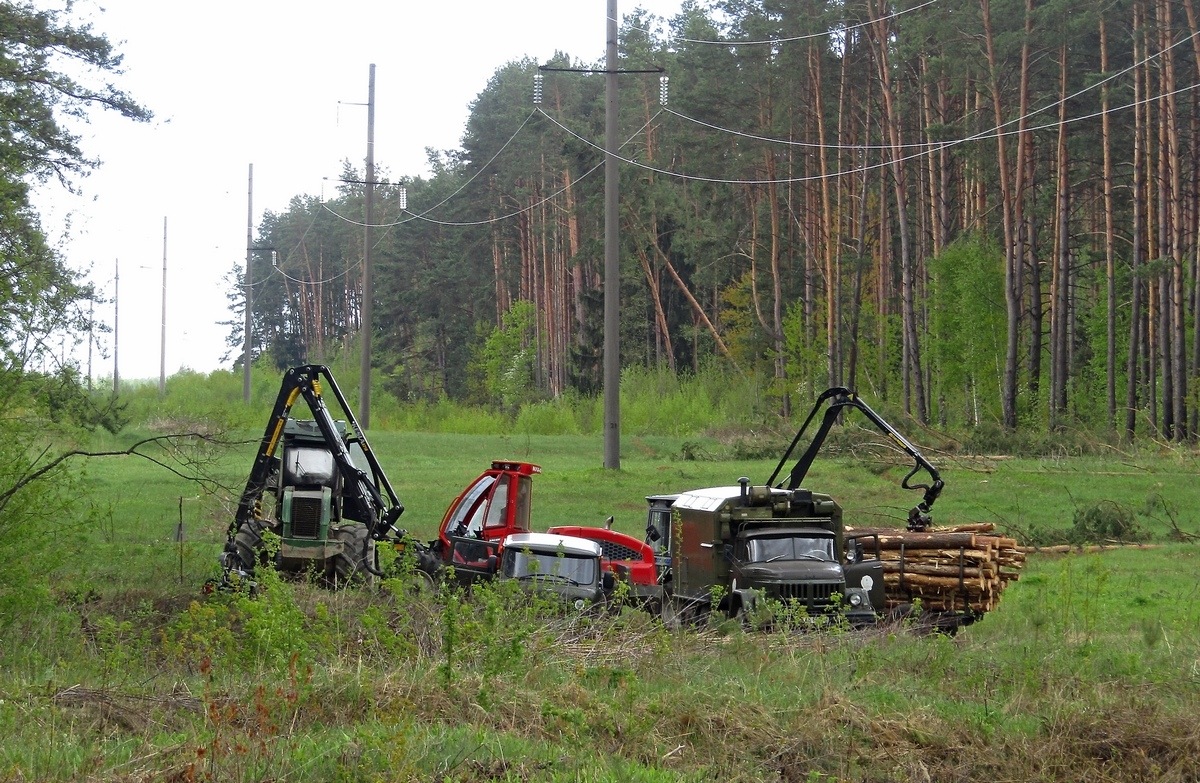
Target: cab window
{"points": [[499, 504]]}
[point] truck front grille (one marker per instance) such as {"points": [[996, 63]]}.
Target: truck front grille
{"points": [[615, 551], [811, 594], [306, 517]]}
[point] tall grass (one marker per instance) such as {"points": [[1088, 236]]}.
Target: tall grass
{"points": [[653, 402]]}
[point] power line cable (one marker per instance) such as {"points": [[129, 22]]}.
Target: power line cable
{"points": [[473, 177], [790, 39], [927, 145], [548, 198], [983, 135]]}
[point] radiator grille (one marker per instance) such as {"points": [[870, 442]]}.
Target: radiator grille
{"points": [[615, 551], [811, 594], [306, 517]]}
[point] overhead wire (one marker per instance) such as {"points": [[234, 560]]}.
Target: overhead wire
{"points": [[789, 39], [277, 269], [923, 147], [546, 199], [473, 177], [929, 145], [994, 132], [871, 167]]}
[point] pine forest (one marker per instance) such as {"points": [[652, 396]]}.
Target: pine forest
{"points": [[980, 211]]}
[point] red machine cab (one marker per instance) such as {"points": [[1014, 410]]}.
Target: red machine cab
{"points": [[493, 506]]}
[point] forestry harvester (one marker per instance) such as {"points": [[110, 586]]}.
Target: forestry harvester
{"points": [[316, 484]]}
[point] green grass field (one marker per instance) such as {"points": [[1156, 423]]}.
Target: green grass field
{"points": [[117, 668]]}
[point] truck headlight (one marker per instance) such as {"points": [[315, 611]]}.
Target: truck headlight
{"points": [[855, 599]]}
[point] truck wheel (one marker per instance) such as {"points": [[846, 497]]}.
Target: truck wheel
{"points": [[683, 613], [670, 613], [358, 551]]}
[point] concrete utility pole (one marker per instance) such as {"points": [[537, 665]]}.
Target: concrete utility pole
{"points": [[364, 403], [612, 241], [162, 366], [612, 255], [249, 280]]}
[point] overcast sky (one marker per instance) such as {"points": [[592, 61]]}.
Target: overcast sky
{"points": [[273, 84]]}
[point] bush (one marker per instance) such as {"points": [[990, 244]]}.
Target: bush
{"points": [[546, 418], [1106, 521]]}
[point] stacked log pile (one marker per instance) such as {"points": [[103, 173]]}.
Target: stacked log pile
{"points": [[949, 569]]}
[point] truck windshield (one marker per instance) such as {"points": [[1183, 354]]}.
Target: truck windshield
{"points": [[527, 564], [767, 550]]}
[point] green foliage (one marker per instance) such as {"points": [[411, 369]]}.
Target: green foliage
{"points": [[657, 401], [507, 357], [967, 320], [52, 70], [29, 507], [41, 75], [808, 364], [1106, 521], [548, 418], [448, 416]]}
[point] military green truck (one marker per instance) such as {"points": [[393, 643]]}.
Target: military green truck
{"points": [[736, 549]]}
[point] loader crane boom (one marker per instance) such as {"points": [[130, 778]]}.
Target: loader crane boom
{"points": [[354, 489], [838, 398]]}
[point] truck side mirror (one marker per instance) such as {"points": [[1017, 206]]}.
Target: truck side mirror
{"points": [[493, 563], [608, 581]]}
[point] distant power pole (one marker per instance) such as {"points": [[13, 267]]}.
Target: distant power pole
{"points": [[249, 279], [364, 403], [91, 338], [162, 367]]}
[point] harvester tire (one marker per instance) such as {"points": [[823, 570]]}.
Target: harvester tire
{"points": [[358, 551], [248, 544]]}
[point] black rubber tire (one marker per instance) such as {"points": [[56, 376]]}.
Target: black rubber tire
{"points": [[900, 613], [671, 616], [358, 550], [248, 544]]}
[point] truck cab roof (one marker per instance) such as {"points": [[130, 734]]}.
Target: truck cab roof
{"points": [[549, 542], [712, 498]]}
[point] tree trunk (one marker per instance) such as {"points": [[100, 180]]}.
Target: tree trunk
{"points": [[913, 383], [1012, 258]]}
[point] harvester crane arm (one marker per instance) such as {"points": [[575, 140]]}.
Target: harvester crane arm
{"points": [[838, 398], [369, 499]]}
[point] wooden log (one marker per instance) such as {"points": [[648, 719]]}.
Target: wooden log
{"points": [[946, 569], [919, 581], [928, 541], [970, 527], [930, 569], [966, 555], [972, 577]]}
